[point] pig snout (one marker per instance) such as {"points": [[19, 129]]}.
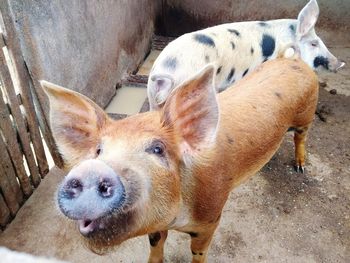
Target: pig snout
{"points": [[339, 64], [330, 63], [89, 192], [335, 64]]}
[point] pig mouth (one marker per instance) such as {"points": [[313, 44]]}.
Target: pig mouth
{"points": [[87, 226], [104, 234]]}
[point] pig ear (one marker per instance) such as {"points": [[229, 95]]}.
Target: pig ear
{"points": [[192, 112], [75, 122], [307, 18], [159, 90]]}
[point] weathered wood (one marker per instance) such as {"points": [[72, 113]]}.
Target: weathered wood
{"points": [[45, 128], [117, 116], [5, 215], [9, 195], [9, 133], [145, 106], [2, 42], [18, 118], [10, 172], [136, 80], [25, 84], [160, 42]]}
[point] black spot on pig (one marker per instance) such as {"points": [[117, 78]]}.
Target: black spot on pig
{"points": [[205, 40], [278, 95], [292, 28], [154, 238], [263, 24], [234, 31], [218, 70], [170, 63], [207, 59], [321, 61], [252, 50], [233, 45], [245, 72], [267, 45], [229, 139], [230, 75]]}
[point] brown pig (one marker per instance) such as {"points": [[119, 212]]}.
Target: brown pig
{"points": [[174, 168]]}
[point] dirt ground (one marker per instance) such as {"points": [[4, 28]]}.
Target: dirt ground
{"points": [[277, 216]]}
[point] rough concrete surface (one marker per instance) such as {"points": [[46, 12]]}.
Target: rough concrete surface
{"points": [[183, 16], [86, 46], [276, 216]]}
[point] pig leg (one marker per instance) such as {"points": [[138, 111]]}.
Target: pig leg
{"points": [[299, 142], [200, 243], [157, 241]]}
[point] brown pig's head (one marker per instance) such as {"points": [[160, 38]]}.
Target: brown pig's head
{"points": [[124, 177]]}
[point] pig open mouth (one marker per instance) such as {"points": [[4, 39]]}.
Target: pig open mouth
{"points": [[87, 226]]}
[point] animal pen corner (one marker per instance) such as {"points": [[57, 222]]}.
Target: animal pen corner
{"points": [[23, 160]]}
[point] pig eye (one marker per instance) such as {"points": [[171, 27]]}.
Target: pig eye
{"points": [[314, 43], [98, 150], [158, 150], [157, 147]]}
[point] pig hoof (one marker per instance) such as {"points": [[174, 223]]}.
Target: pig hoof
{"points": [[299, 169]]}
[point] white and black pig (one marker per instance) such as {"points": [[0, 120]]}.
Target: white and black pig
{"points": [[236, 49]]}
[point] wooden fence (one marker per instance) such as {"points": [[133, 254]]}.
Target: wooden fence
{"points": [[23, 162]]}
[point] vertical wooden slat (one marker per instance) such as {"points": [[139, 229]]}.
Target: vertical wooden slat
{"points": [[12, 42], [45, 128], [5, 215], [9, 170], [6, 190], [18, 117], [13, 147]]}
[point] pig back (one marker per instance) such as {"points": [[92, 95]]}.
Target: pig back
{"points": [[257, 112]]}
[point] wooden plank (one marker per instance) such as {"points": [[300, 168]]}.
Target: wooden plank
{"points": [[2, 42], [160, 42], [10, 172], [13, 147], [9, 195], [117, 116], [5, 215], [145, 106], [18, 117], [45, 128], [136, 80], [25, 83]]}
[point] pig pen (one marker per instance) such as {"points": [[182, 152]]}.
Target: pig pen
{"points": [[94, 47]]}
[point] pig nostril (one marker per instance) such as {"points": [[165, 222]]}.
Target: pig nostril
{"points": [[87, 223], [73, 188], [74, 183], [105, 189]]}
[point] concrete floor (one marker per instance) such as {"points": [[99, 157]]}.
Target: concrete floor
{"points": [[277, 216]]}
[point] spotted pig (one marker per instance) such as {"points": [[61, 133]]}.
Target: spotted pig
{"points": [[236, 49]]}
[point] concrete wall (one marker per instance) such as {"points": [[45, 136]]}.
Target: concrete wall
{"points": [[88, 46], [84, 45], [180, 16]]}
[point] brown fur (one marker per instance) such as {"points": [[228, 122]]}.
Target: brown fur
{"points": [[203, 164]]}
